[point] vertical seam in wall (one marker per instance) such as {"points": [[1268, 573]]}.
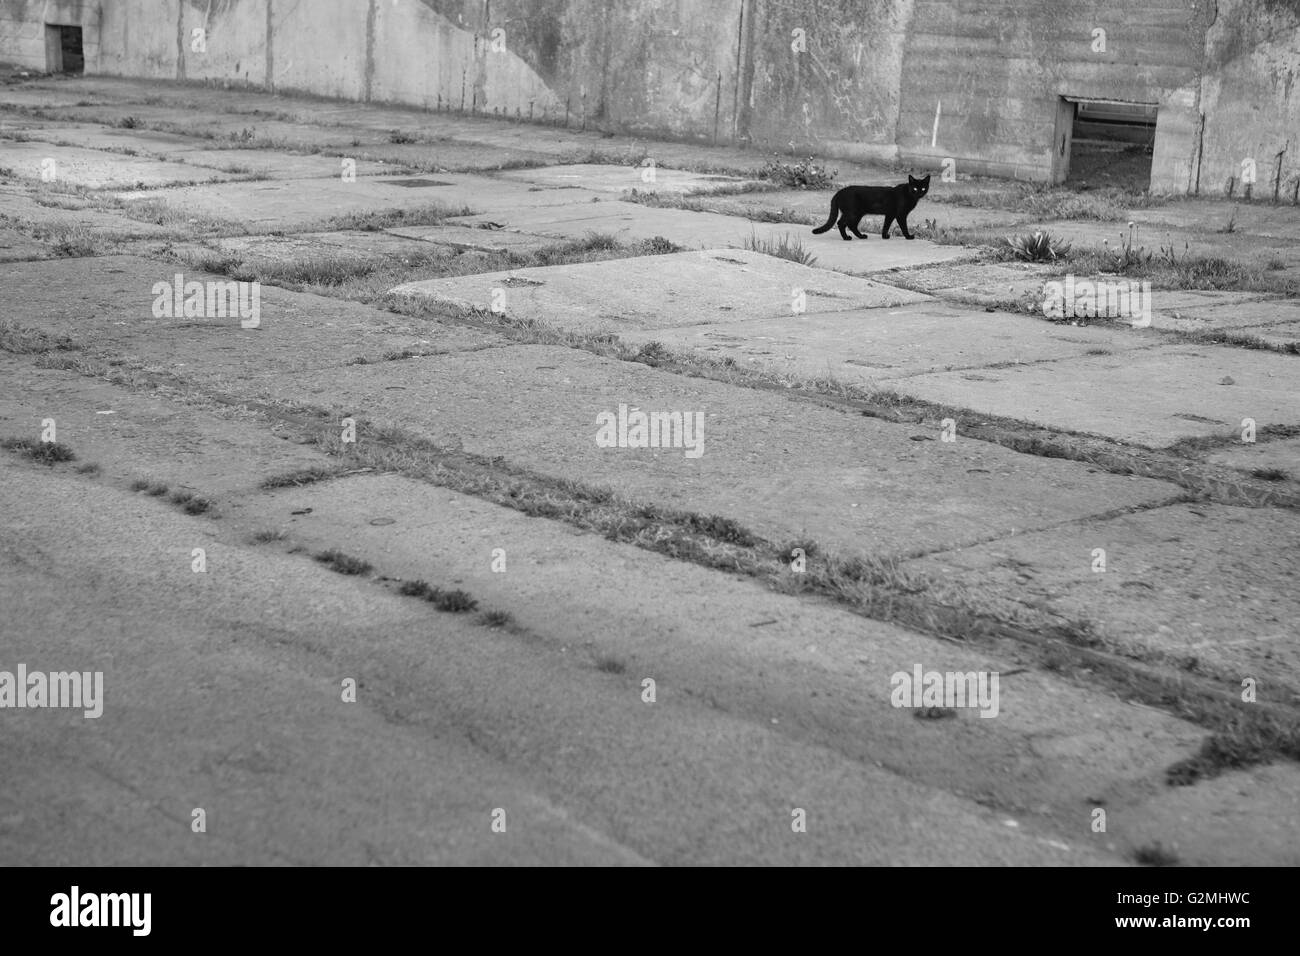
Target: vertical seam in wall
{"points": [[270, 50], [180, 40], [370, 51]]}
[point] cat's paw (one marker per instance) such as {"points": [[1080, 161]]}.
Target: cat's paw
{"points": [[909, 237]]}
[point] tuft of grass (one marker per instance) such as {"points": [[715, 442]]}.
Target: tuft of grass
{"points": [[610, 665], [806, 174], [343, 563], [44, 452], [296, 479], [455, 602], [788, 247], [90, 468], [495, 619], [934, 713], [1153, 854], [1271, 474], [1038, 247], [266, 536], [428, 214], [26, 340]]}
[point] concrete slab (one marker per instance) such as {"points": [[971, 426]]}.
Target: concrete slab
{"points": [[630, 222], [221, 691], [872, 346], [1150, 397], [661, 291], [96, 169], [986, 283], [56, 210], [106, 304], [213, 451], [1257, 219], [1283, 454], [1282, 334], [1202, 586], [292, 203], [582, 595], [348, 243], [782, 469], [1237, 246], [620, 179], [273, 165], [470, 238], [447, 155]]}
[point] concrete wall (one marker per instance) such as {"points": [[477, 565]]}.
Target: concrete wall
{"points": [[853, 78]]}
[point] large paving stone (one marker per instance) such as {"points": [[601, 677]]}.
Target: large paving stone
{"points": [[107, 303], [222, 691], [1200, 585], [144, 436], [631, 222], [470, 238], [828, 671], [71, 211], [620, 179], [783, 469], [290, 203], [346, 244], [97, 169], [1151, 397], [445, 155], [869, 346], [661, 291], [1282, 454]]}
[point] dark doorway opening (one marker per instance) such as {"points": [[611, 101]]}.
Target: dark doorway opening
{"points": [[1111, 144], [63, 53]]}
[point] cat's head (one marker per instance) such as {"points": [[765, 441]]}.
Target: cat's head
{"points": [[919, 187]]}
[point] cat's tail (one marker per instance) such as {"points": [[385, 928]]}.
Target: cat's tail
{"points": [[829, 222]]}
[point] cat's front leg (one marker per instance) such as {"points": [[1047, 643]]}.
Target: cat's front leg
{"points": [[889, 221]]}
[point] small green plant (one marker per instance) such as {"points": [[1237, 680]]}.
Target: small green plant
{"points": [[128, 122], [495, 619], [397, 136], [1270, 474], [610, 665], [1153, 854], [45, 452], [807, 174], [787, 247], [342, 563], [454, 601], [1038, 247]]}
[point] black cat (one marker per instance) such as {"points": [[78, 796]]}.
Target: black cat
{"points": [[893, 202]]}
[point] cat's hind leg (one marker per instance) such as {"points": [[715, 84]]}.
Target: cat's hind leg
{"points": [[843, 223], [854, 228], [889, 221]]}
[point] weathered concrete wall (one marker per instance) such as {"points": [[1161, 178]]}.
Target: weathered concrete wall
{"points": [[854, 78], [22, 28], [993, 72], [1251, 99], [826, 74]]}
